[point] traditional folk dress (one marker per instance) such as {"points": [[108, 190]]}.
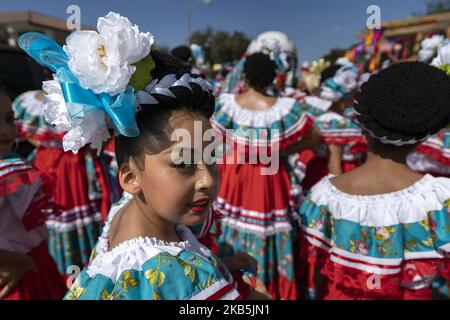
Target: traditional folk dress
{"points": [[336, 129], [387, 246], [24, 201], [258, 205], [146, 268], [83, 185], [433, 155]]}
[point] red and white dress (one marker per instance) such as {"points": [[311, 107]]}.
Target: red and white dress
{"points": [[257, 197], [24, 201], [387, 246]]}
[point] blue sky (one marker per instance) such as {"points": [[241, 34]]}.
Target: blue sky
{"points": [[314, 25]]}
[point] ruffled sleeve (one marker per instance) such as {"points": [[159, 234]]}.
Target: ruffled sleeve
{"points": [[27, 190], [315, 244]]}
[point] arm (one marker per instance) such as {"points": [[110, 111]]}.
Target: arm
{"points": [[13, 267], [309, 141], [9, 259], [335, 161]]}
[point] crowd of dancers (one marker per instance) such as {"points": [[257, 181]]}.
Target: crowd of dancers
{"points": [[97, 202]]}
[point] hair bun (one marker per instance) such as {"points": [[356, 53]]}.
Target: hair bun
{"points": [[405, 103]]}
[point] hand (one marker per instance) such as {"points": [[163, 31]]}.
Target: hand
{"points": [[260, 291], [10, 276], [240, 261]]}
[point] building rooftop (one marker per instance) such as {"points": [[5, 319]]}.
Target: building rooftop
{"points": [[36, 19]]}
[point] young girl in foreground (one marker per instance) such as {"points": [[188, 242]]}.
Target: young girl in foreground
{"points": [[146, 250], [27, 271], [381, 231]]}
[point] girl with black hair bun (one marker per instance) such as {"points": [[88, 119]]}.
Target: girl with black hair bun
{"points": [[381, 230], [258, 196]]}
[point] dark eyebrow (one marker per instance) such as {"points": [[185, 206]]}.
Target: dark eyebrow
{"points": [[179, 148]]}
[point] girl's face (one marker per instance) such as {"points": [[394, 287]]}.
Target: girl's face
{"points": [[7, 125], [176, 184]]}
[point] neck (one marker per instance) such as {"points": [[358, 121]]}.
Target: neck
{"points": [[252, 90], [393, 163], [153, 224]]}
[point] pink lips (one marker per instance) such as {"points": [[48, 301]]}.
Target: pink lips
{"points": [[200, 205]]}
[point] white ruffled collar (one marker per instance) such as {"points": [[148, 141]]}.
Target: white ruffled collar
{"points": [[405, 206], [419, 186], [133, 253], [255, 118]]}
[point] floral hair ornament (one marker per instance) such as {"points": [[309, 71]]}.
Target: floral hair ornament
{"points": [[95, 77], [343, 82], [428, 47], [442, 61]]}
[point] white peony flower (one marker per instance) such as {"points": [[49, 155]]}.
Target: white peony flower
{"points": [[428, 48], [91, 129], [55, 109], [443, 56], [346, 78], [102, 62]]}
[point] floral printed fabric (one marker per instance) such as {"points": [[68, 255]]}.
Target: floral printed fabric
{"points": [[163, 277]]}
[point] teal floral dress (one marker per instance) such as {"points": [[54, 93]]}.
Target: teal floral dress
{"points": [[388, 246], [149, 269]]}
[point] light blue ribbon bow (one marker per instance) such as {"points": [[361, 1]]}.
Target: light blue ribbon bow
{"points": [[120, 108]]}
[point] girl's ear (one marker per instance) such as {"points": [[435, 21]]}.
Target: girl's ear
{"points": [[129, 177]]}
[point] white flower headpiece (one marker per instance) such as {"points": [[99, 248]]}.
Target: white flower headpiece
{"points": [[103, 61], [428, 47], [343, 82], [96, 77], [442, 60]]}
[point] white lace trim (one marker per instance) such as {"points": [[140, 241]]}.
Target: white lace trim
{"points": [[405, 206], [255, 118], [133, 253]]}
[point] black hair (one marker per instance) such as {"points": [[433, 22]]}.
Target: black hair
{"points": [[405, 102], [153, 120], [4, 90], [183, 53], [329, 72], [260, 70]]}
